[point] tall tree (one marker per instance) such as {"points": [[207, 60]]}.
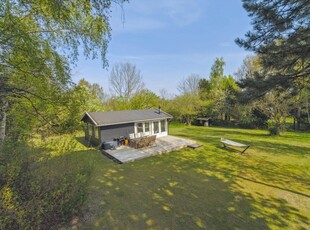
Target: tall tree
{"points": [[39, 38], [250, 65], [189, 84], [275, 104], [217, 73], [145, 99], [125, 80], [185, 113], [220, 92], [280, 37]]}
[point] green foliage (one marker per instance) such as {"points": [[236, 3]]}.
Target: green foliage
{"points": [[273, 128], [182, 113], [217, 73], [37, 192], [218, 93], [280, 38], [38, 40], [59, 111], [276, 105], [144, 99], [84, 97]]}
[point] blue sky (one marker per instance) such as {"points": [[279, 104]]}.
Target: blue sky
{"points": [[170, 39]]}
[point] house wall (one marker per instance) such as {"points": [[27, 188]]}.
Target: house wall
{"points": [[108, 133], [97, 135], [92, 134]]}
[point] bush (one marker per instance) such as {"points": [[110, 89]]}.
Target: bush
{"points": [[39, 194], [274, 128], [273, 131]]}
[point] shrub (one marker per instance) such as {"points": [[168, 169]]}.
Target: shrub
{"points": [[39, 194], [274, 128]]}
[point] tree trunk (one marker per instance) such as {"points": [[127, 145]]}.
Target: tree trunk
{"points": [[189, 120], [298, 118], [308, 113], [278, 126], [3, 109], [277, 130], [226, 117]]}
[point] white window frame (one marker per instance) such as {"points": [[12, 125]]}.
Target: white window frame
{"points": [[96, 129], [151, 128], [165, 121]]}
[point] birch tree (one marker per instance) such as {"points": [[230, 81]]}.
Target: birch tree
{"points": [[125, 80], [39, 39]]}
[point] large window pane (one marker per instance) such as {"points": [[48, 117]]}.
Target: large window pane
{"points": [[147, 127], [96, 133], [156, 127], [86, 129], [139, 127], [92, 130], [163, 125]]}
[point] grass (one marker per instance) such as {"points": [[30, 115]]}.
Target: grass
{"points": [[206, 188]]}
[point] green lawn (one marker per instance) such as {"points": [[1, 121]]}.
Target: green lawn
{"points": [[206, 188]]}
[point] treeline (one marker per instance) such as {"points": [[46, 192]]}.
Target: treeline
{"points": [[225, 99]]}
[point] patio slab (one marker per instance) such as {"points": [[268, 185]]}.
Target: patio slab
{"points": [[162, 145]]}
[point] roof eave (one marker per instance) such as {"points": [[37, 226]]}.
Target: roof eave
{"points": [[126, 122], [86, 113]]}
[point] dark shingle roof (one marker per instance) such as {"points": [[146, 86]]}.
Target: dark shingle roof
{"points": [[125, 116]]}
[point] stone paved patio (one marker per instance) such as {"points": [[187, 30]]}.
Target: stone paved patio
{"points": [[162, 145]]}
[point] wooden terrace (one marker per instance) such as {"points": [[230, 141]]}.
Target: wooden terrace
{"points": [[124, 153]]}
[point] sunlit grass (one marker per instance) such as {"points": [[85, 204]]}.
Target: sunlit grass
{"points": [[59, 145], [206, 188]]}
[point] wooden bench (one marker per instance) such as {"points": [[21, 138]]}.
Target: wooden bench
{"points": [[227, 143]]}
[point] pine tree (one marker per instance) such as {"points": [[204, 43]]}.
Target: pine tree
{"points": [[281, 38]]}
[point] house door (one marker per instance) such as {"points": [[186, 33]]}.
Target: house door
{"points": [[159, 128]]}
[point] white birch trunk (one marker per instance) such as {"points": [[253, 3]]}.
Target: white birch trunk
{"points": [[3, 110]]}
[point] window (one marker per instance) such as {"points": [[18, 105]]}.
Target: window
{"points": [[96, 132], [86, 129], [139, 127], [156, 127], [163, 125], [147, 127], [91, 130]]}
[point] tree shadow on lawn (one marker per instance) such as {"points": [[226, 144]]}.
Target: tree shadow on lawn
{"points": [[281, 148], [265, 170], [262, 170], [266, 146], [222, 132], [214, 140], [249, 137], [179, 191], [230, 167]]}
